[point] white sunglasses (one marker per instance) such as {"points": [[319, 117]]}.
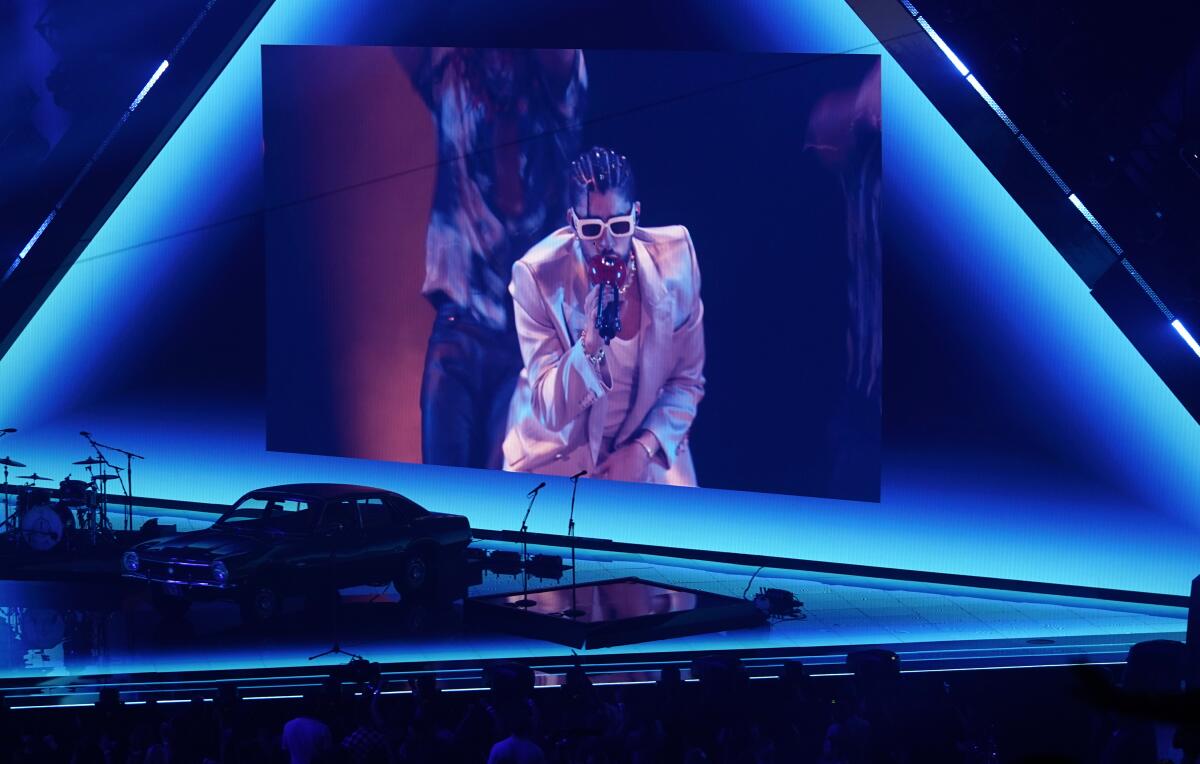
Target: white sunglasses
{"points": [[589, 229]]}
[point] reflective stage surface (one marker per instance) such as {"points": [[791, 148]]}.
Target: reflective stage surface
{"points": [[61, 639]]}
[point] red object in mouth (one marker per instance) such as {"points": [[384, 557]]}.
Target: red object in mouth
{"points": [[606, 269]]}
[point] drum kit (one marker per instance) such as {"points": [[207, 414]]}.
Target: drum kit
{"points": [[75, 515]]}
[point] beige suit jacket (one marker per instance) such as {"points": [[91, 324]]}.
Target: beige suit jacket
{"points": [[556, 419]]}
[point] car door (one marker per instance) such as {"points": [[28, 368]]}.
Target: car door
{"points": [[379, 538], [341, 535]]}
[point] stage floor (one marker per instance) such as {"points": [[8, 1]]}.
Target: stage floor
{"points": [[62, 639]]}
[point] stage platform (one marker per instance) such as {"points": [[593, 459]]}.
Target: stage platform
{"points": [[61, 640]]}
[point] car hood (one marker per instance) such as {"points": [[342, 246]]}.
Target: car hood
{"points": [[207, 544]]}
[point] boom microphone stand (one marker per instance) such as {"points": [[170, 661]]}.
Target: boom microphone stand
{"points": [[127, 483], [525, 602], [574, 611]]}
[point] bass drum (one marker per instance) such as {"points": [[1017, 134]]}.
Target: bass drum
{"points": [[44, 527]]}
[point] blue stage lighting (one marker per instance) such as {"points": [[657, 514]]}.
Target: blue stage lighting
{"points": [[153, 79], [992, 102], [37, 235], [1146, 288], [962, 69], [29, 245], [959, 65], [1187, 336], [1045, 165], [1095, 224], [136, 102]]}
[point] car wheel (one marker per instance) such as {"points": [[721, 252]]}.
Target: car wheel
{"points": [[416, 574], [260, 603], [169, 605]]}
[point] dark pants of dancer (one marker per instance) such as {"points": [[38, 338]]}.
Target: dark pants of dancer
{"points": [[470, 374]]}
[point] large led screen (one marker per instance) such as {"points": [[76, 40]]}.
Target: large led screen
{"points": [[660, 267]]}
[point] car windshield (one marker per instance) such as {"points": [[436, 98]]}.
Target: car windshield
{"points": [[270, 512]]}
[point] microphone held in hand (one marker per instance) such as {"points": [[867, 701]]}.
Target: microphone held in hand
{"points": [[608, 272], [608, 316]]}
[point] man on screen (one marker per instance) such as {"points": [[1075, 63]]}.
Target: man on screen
{"points": [[619, 406]]}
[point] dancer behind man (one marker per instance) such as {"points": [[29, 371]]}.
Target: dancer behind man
{"points": [[621, 409], [507, 126]]}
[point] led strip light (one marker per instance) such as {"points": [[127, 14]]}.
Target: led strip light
{"points": [[963, 70], [158, 73]]}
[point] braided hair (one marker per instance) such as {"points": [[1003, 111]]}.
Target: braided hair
{"points": [[599, 169]]}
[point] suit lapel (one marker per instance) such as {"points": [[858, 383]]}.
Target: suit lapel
{"points": [[573, 294], [571, 298], [654, 341]]}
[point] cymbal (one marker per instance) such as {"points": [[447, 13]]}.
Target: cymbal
{"points": [[103, 477], [34, 476], [8, 461], [90, 461]]}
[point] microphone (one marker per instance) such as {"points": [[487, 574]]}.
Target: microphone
{"points": [[86, 434], [8, 430], [608, 315], [540, 486], [579, 474]]}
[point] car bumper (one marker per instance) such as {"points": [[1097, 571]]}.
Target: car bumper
{"points": [[181, 583]]}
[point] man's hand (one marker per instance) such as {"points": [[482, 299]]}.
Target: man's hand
{"points": [[592, 340], [629, 462]]}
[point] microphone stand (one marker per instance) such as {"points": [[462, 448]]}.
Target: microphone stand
{"points": [[335, 537], [525, 602], [574, 611], [97, 522], [125, 486]]}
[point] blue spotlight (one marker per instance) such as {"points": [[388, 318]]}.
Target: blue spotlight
{"points": [[1187, 336], [153, 79]]}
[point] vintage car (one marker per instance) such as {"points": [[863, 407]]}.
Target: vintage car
{"points": [[308, 538]]}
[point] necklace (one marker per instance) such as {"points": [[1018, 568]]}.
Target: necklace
{"points": [[629, 279]]}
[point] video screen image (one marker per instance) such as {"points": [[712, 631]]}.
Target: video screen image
{"points": [[657, 267]]}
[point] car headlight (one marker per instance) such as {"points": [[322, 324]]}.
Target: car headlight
{"points": [[130, 561], [220, 571]]}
